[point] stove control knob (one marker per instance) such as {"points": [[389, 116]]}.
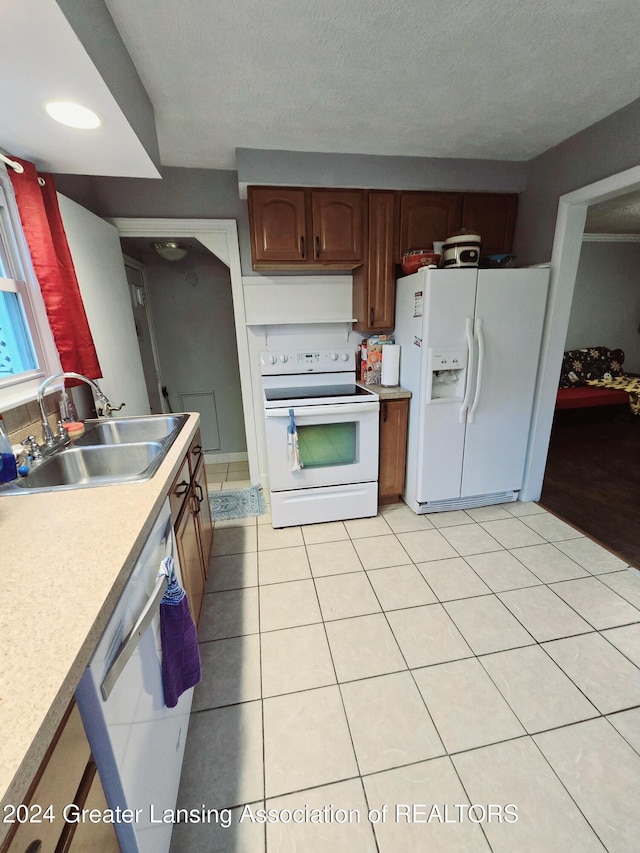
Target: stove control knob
{"points": [[284, 358], [344, 356], [272, 359], [334, 356]]}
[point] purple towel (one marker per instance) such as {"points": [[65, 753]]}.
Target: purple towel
{"points": [[179, 636]]}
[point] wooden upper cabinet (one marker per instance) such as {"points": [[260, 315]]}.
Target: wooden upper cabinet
{"points": [[374, 283], [305, 228], [336, 217], [295, 228], [278, 223], [427, 216], [493, 217]]}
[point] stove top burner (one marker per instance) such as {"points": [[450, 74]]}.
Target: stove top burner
{"points": [[318, 392]]}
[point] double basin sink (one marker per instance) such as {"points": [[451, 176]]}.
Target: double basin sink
{"points": [[109, 452]]}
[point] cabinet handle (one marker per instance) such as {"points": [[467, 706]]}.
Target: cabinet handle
{"points": [[184, 491], [384, 413], [372, 315], [196, 508], [200, 495], [197, 450], [302, 249], [317, 248]]}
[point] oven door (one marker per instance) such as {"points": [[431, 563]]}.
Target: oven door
{"points": [[338, 445]]}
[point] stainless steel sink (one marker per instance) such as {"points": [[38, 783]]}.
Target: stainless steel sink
{"points": [[127, 430], [110, 452], [93, 466]]}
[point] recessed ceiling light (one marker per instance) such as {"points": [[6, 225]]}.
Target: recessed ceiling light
{"points": [[73, 115]]}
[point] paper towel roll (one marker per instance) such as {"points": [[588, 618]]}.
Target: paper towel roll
{"points": [[390, 364]]}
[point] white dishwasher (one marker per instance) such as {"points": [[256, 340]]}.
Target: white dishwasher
{"points": [[137, 742]]}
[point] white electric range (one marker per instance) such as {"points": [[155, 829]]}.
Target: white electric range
{"points": [[322, 437]]}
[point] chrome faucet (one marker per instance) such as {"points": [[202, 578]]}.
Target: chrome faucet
{"points": [[103, 406]]}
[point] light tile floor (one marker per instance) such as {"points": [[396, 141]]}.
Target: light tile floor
{"points": [[390, 673]]}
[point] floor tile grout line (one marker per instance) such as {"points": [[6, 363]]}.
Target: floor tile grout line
{"points": [[335, 673], [262, 697], [570, 795], [513, 710], [599, 714], [393, 634]]}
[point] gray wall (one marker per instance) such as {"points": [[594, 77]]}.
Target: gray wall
{"points": [[299, 168], [192, 312], [606, 148], [606, 300], [181, 194]]}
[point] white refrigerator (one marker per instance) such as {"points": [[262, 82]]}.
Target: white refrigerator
{"points": [[470, 343]]}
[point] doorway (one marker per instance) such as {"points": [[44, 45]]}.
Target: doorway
{"points": [[219, 238], [145, 332], [592, 477], [567, 245]]}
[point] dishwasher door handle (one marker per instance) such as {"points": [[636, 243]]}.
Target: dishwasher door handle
{"points": [[130, 642]]}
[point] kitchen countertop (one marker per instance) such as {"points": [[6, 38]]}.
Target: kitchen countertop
{"points": [[66, 557], [393, 392]]}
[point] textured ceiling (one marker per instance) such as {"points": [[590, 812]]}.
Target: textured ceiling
{"points": [[496, 79], [620, 215]]}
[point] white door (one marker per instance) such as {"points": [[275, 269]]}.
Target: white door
{"points": [[97, 258], [449, 302], [510, 308]]}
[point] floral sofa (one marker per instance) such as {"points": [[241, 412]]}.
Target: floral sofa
{"points": [[582, 365]]}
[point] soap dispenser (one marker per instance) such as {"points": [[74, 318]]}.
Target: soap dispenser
{"points": [[8, 468]]}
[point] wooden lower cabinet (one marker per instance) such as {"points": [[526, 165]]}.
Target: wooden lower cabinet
{"points": [[205, 522], [394, 419], [190, 557], [89, 837], [193, 525], [67, 778]]}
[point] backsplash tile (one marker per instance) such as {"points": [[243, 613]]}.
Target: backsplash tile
{"points": [[25, 420]]}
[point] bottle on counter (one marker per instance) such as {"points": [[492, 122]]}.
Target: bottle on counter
{"points": [[8, 468], [67, 407]]}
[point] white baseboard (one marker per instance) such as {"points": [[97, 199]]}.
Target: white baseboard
{"points": [[212, 458]]}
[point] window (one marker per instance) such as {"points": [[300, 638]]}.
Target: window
{"points": [[27, 350]]}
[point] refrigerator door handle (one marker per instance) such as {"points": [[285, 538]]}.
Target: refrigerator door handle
{"points": [[470, 363], [476, 399]]}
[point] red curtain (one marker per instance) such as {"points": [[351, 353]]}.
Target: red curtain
{"points": [[47, 242]]}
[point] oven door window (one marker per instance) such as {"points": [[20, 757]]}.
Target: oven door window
{"points": [[327, 445]]}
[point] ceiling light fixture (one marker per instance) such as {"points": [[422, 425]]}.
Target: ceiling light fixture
{"points": [[171, 250], [73, 115]]}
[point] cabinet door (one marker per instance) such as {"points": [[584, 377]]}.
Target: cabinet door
{"points": [[188, 546], [374, 285], [205, 522], [427, 216], [493, 217], [394, 416], [58, 785], [89, 837], [277, 219], [337, 225]]}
